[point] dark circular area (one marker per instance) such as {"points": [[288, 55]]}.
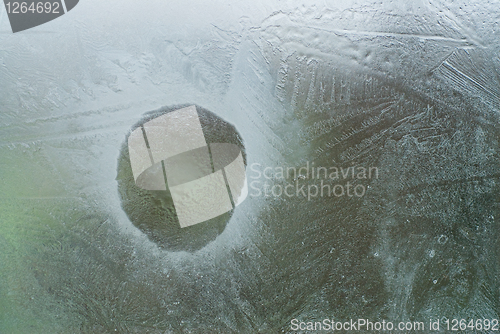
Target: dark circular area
{"points": [[153, 212]]}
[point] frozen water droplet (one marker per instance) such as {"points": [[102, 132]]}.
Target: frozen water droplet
{"points": [[442, 239]]}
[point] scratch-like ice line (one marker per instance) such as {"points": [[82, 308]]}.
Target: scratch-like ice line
{"points": [[394, 34], [459, 73], [342, 32], [67, 136], [453, 18]]}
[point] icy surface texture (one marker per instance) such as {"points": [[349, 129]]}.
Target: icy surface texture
{"points": [[410, 87]]}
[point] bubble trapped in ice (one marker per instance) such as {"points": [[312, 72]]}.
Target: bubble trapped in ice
{"points": [[153, 211]]}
